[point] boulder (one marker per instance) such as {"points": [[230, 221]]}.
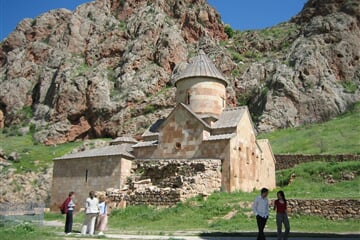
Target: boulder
{"points": [[14, 157]]}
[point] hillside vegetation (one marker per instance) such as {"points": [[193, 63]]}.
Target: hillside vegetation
{"points": [[340, 135], [32, 156]]}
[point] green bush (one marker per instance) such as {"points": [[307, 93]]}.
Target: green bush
{"points": [[349, 86], [149, 109], [229, 31], [236, 56]]}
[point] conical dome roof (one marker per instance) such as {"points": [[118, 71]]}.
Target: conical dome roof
{"points": [[200, 66]]}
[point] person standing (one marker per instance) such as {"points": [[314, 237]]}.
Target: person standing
{"points": [[91, 211], [68, 208], [261, 211], [102, 219], [280, 205]]}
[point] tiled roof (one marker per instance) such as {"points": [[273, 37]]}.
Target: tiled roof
{"points": [[123, 140], [229, 118], [145, 144], [112, 150], [199, 66], [220, 137]]}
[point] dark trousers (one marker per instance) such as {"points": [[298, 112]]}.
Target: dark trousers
{"points": [[282, 218], [69, 221], [261, 222]]}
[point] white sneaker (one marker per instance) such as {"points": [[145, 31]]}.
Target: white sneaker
{"points": [[100, 233]]}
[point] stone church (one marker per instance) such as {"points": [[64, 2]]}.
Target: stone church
{"points": [[199, 128]]}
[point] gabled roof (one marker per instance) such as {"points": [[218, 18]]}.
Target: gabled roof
{"points": [[146, 144], [230, 118], [197, 117], [112, 150], [200, 66], [123, 140], [220, 137]]}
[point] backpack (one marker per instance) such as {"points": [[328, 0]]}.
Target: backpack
{"points": [[64, 206]]}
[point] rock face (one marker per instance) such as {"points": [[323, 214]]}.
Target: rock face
{"points": [[309, 71], [104, 69], [27, 187], [95, 71]]}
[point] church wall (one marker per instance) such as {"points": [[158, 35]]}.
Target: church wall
{"points": [[202, 95], [144, 152], [219, 149], [87, 174], [246, 160], [267, 166], [180, 137]]}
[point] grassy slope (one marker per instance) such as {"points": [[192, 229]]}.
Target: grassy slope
{"points": [[200, 215], [340, 135], [33, 156], [309, 181], [196, 214]]}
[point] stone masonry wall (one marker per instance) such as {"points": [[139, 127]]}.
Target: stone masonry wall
{"points": [[329, 208], [87, 174], [285, 161], [164, 182]]}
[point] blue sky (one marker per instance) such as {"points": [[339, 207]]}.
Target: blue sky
{"points": [[256, 14], [240, 14]]}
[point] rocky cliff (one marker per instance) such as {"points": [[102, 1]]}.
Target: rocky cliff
{"points": [[104, 69]]}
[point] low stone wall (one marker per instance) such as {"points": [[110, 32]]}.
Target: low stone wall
{"points": [[164, 182], [285, 161], [328, 208], [148, 196]]}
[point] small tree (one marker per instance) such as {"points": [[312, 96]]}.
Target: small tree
{"points": [[229, 31]]}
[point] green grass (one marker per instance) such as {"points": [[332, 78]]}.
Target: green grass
{"points": [[28, 231], [309, 181], [340, 135], [33, 156], [197, 214], [200, 215]]}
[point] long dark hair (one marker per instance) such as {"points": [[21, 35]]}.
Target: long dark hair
{"points": [[282, 194]]}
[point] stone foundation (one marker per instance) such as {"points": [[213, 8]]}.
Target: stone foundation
{"points": [[285, 161], [328, 208], [164, 182]]}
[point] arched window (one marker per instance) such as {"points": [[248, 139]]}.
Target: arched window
{"points": [[86, 175], [188, 96]]}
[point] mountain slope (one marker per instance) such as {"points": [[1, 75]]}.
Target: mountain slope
{"points": [[104, 69], [306, 70]]}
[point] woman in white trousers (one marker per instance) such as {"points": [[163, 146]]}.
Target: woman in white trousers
{"points": [[91, 211]]}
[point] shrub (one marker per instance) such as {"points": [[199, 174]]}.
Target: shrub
{"points": [[229, 31], [349, 86], [236, 57], [122, 25], [149, 109]]}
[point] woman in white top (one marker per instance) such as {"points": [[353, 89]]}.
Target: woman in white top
{"points": [[91, 210], [102, 219]]}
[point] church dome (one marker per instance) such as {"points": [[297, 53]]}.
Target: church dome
{"points": [[199, 66], [201, 87]]}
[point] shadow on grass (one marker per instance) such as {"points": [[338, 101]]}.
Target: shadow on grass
{"points": [[212, 235]]}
